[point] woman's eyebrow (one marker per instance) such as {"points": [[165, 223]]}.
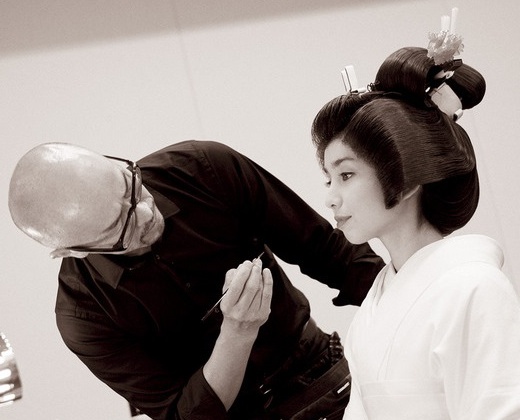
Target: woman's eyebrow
{"points": [[339, 161], [334, 164]]}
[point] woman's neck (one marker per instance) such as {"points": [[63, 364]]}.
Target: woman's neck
{"points": [[403, 244]]}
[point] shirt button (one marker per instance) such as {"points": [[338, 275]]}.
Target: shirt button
{"points": [[188, 285], [157, 257]]}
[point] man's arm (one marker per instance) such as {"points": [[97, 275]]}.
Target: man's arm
{"points": [[158, 380], [290, 227], [246, 307], [159, 384]]}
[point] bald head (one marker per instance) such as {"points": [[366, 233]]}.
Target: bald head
{"points": [[63, 195]]}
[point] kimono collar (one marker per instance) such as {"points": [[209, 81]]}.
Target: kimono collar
{"points": [[409, 284], [461, 249]]}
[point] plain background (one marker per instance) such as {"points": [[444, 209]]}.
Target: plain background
{"points": [[127, 77]]}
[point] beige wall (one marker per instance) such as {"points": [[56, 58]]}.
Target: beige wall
{"points": [[126, 77]]}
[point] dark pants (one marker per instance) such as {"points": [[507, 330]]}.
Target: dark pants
{"points": [[314, 383]]}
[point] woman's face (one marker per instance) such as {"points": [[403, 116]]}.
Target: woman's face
{"points": [[355, 195]]}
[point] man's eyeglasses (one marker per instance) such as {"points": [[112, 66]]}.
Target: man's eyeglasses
{"points": [[126, 234]]}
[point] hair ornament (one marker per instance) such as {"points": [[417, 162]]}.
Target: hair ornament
{"points": [[350, 81], [442, 48], [446, 44], [447, 101]]}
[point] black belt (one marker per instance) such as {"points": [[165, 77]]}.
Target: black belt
{"points": [[300, 370], [326, 383]]}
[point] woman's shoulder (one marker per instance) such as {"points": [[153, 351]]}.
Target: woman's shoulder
{"points": [[473, 268]]}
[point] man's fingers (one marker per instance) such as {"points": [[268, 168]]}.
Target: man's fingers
{"points": [[267, 291], [247, 303], [253, 286], [237, 281], [245, 285], [230, 275]]}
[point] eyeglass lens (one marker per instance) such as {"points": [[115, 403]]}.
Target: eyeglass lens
{"points": [[137, 189]]}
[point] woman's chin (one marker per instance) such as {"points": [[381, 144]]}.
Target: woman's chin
{"points": [[353, 238]]}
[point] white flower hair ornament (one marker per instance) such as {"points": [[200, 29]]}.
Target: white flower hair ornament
{"points": [[442, 48], [446, 44]]}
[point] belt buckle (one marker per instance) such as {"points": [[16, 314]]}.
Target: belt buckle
{"points": [[267, 393]]}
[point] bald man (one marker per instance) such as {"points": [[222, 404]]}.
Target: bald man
{"points": [[148, 249], [63, 196]]}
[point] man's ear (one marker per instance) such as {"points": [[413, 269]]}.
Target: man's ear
{"points": [[65, 253], [410, 192]]}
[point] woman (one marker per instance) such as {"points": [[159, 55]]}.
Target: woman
{"points": [[438, 336]]}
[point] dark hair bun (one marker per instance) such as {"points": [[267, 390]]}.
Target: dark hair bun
{"points": [[411, 72], [469, 85]]}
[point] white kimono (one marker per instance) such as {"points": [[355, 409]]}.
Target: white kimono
{"points": [[438, 340]]}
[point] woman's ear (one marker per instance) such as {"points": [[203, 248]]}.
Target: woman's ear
{"points": [[410, 192]]}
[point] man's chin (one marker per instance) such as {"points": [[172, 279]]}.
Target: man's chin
{"points": [[154, 234]]}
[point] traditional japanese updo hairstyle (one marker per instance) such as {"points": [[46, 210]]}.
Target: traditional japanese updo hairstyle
{"points": [[404, 135]]}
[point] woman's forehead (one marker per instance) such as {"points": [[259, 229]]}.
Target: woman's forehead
{"points": [[338, 152]]}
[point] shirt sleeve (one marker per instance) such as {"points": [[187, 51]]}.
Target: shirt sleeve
{"points": [[478, 354], [289, 226], [127, 367]]}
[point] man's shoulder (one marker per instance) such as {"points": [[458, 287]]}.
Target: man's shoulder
{"points": [[191, 146], [191, 150]]}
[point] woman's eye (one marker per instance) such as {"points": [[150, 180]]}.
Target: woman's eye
{"points": [[346, 175]]}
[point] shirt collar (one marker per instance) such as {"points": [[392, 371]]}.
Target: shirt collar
{"points": [[167, 207]]}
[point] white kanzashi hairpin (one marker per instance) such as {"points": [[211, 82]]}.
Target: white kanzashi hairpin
{"points": [[446, 44], [350, 80], [447, 101]]}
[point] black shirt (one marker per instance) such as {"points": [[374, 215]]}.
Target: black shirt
{"points": [[136, 321]]}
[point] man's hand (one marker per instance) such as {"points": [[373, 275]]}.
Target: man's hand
{"points": [[247, 303], [246, 307]]}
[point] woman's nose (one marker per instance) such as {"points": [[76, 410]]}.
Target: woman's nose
{"points": [[332, 200]]}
